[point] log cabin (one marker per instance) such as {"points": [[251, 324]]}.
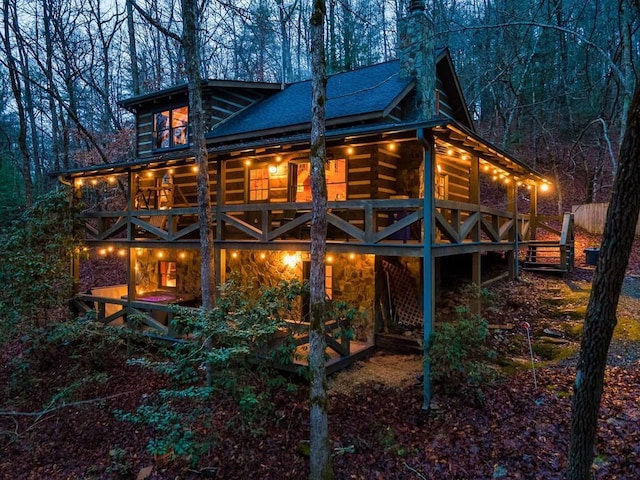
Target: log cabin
{"points": [[415, 195]]}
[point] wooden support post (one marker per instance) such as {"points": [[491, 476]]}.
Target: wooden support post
{"points": [[512, 254], [131, 252], [476, 279], [474, 194], [218, 255], [428, 280], [533, 212]]}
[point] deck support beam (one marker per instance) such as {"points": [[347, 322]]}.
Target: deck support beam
{"points": [[429, 158], [512, 206]]}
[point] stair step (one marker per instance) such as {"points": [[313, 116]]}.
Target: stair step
{"points": [[545, 270]]}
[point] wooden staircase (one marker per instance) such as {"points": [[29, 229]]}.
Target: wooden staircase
{"points": [[552, 256]]}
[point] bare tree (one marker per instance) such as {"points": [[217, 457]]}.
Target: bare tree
{"points": [[16, 76], [600, 319], [320, 458]]}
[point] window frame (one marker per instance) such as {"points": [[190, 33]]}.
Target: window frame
{"points": [[265, 177], [173, 131], [165, 274]]}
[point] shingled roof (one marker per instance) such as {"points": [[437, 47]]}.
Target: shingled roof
{"points": [[363, 94]]}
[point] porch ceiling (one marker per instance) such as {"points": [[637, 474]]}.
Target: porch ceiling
{"points": [[468, 141]]}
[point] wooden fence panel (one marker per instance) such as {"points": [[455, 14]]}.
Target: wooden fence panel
{"points": [[591, 217]]}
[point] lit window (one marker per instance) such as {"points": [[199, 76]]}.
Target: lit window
{"points": [[170, 127], [168, 274], [328, 281], [259, 184], [336, 175]]}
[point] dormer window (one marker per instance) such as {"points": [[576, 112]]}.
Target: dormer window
{"points": [[170, 128]]}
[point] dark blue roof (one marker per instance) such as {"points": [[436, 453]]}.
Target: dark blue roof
{"points": [[365, 91]]}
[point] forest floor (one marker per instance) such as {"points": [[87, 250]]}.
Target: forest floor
{"points": [[57, 406]]}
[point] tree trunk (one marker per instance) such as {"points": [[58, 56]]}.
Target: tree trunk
{"points": [[320, 458], [16, 88], [133, 51], [55, 124], [600, 319], [197, 127]]}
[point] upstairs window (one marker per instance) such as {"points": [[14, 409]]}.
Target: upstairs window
{"points": [[170, 128]]}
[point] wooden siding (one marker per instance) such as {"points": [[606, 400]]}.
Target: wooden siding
{"points": [[458, 175]]}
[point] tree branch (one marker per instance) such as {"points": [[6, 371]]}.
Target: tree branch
{"points": [[8, 413], [156, 23]]}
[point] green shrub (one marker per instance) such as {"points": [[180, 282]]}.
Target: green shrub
{"points": [[459, 353], [36, 250]]}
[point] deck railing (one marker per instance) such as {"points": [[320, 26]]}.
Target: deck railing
{"points": [[367, 222]]}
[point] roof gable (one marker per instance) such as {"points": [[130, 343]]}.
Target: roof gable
{"points": [[451, 102]]}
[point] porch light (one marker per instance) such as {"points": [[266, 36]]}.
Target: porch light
{"points": [[112, 179], [182, 255], [349, 150], [103, 251], [247, 163], [544, 187], [234, 255], [263, 255], [79, 182], [122, 252], [94, 182], [194, 169], [290, 260], [330, 259], [273, 169]]}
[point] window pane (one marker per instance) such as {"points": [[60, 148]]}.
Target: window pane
{"points": [[161, 129], [168, 274], [179, 122], [336, 173], [259, 184], [303, 185]]}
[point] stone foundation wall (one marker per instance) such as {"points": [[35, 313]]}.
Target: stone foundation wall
{"points": [[353, 279], [187, 265]]}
